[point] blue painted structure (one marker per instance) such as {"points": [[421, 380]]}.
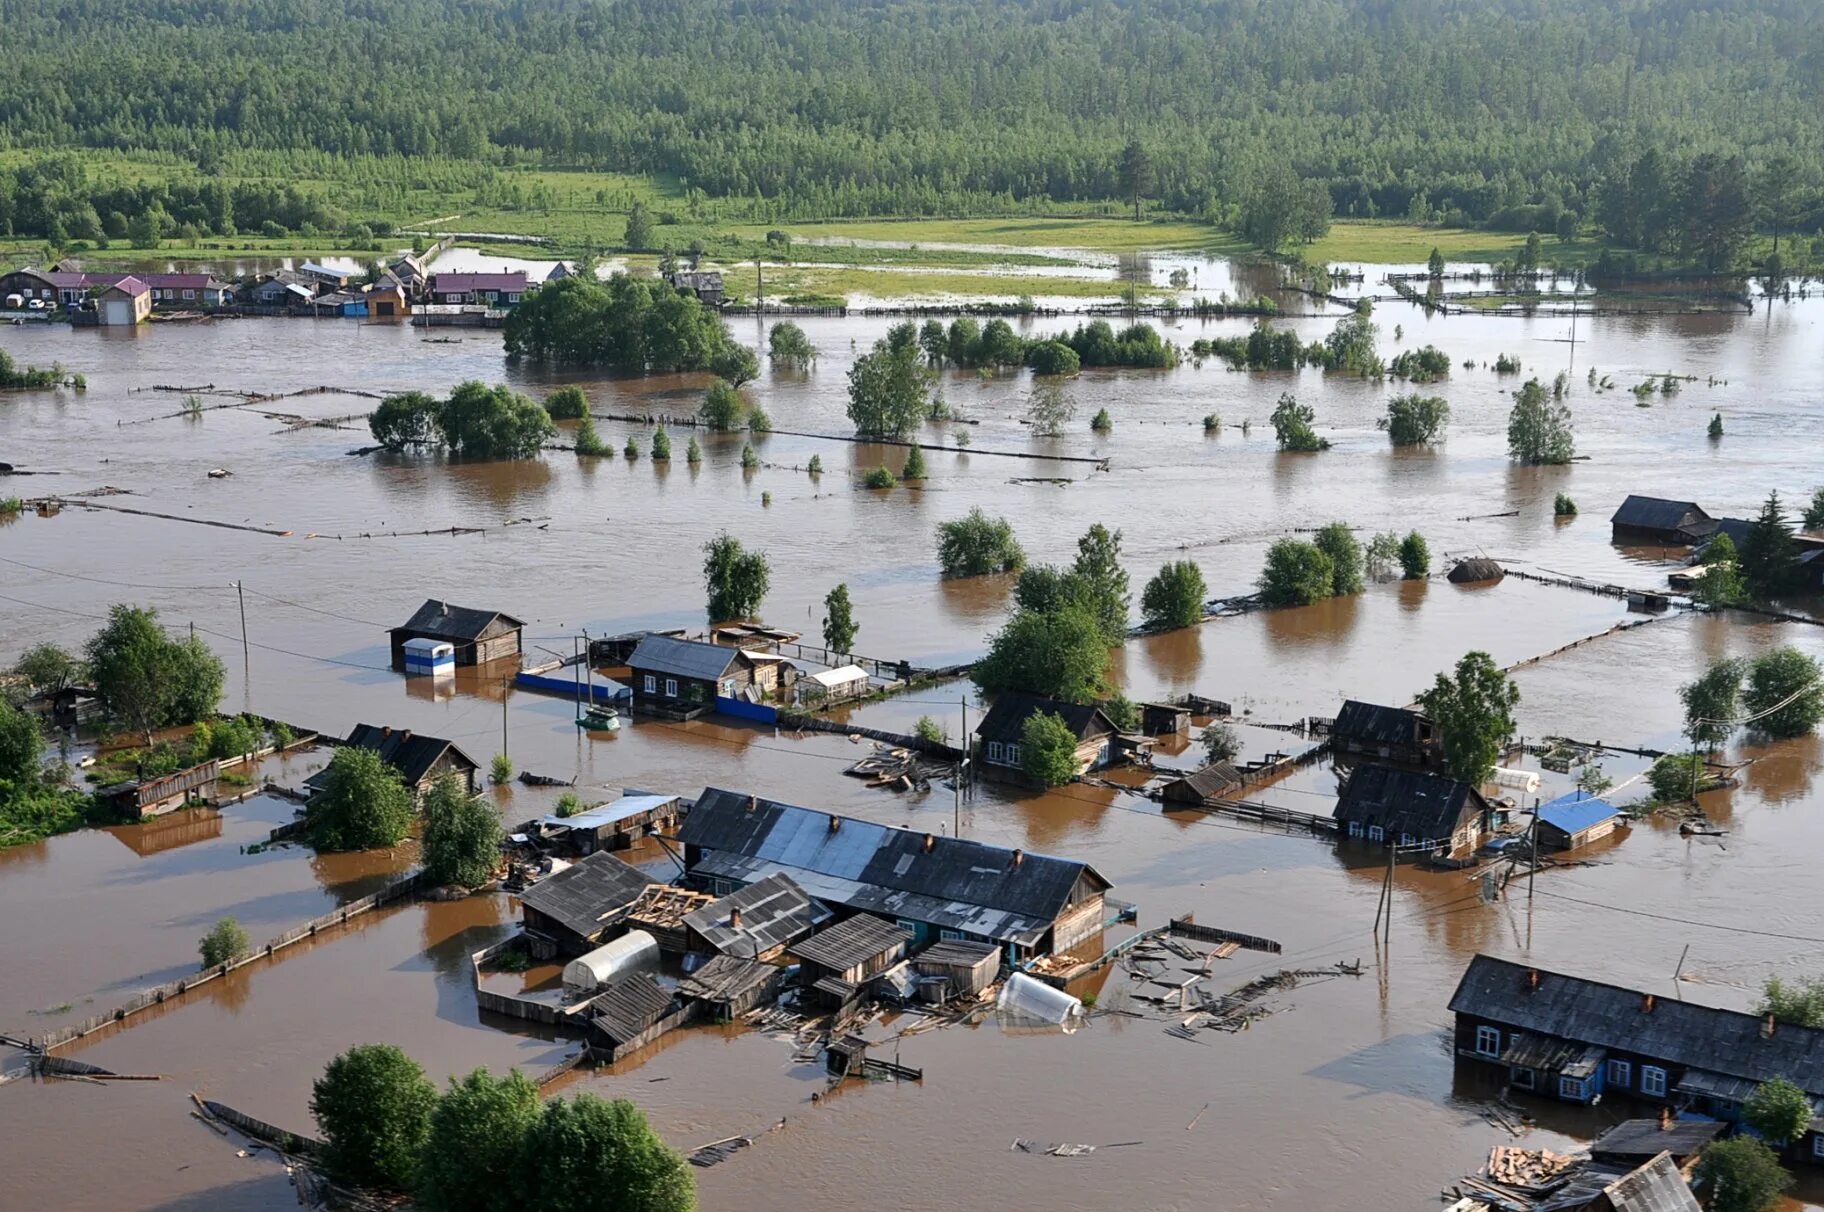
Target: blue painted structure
{"points": [[426, 657], [1576, 812], [760, 713], [596, 689]]}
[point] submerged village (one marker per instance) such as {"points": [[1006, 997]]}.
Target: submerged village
{"points": [[993, 797]]}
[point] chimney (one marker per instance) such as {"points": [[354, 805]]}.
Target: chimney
{"points": [[1665, 1119], [443, 608], [835, 822], [1019, 856], [753, 802], [1532, 979], [1767, 1027], [930, 842], [734, 918], [386, 730], [1647, 1003], [406, 735]]}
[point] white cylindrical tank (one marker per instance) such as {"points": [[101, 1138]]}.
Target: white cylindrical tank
{"points": [[1023, 997], [635, 951], [1523, 781]]}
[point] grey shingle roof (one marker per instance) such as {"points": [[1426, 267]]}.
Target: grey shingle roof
{"points": [[956, 952], [1658, 513], [1007, 717], [1359, 721], [851, 941], [444, 621], [629, 1006], [1655, 1187], [726, 977], [1678, 1033], [1212, 781], [1426, 806], [774, 911], [580, 897], [682, 658]]}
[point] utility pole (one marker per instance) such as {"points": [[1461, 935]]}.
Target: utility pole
{"points": [[246, 654], [504, 683], [759, 287], [1532, 868], [962, 770]]}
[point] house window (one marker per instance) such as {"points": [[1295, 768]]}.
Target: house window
{"points": [[1652, 1081], [994, 751], [951, 936], [1406, 839], [1817, 1145], [189, 294], [513, 297], [1523, 1079], [671, 688], [1376, 833], [1488, 1041], [728, 688], [1620, 1073], [1355, 829], [906, 924], [1013, 754], [1571, 1088]]}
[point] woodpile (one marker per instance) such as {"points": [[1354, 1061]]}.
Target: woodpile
{"points": [[899, 769], [1515, 1167]]}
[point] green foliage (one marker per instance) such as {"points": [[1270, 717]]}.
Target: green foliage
{"points": [[1053, 357], [1712, 701], [638, 324], [1539, 428], [1769, 557], [1221, 743], [1292, 426], [750, 458], [1101, 422], [31, 809], [225, 941], [45, 668], [735, 362], [363, 804], [1212, 423], [930, 731], [1350, 347], [1676, 777], [889, 388], [1592, 781], [373, 1105], [1060, 654], [661, 445], [473, 1150], [1563, 506], [1296, 574], [1778, 1110], [1739, 1175], [1814, 512], [1103, 581], [693, 454], [1801, 1002], [736, 580], [1336, 542], [723, 409], [1138, 345], [1786, 691], [788, 346], [1049, 410], [914, 468], [1175, 596], [839, 628], [477, 421], [589, 443], [976, 545], [461, 836], [631, 449], [879, 477], [638, 234], [1716, 427], [1280, 211], [1415, 420], [231, 738], [566, 404], [585, 1153], [147, 679], [1434, 264], [1415, 557], [569, 804], [1122, 712], [1048, 749], [1474, 712], [21, 745], [1382, 554], [1722, 583], [500, 768]]}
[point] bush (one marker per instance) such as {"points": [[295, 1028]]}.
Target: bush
{"points": [[225, 942], [1212, 423], [693, 454], [1101, 422], [1739, 1175], [461, 836], [1174, 597], [930, 731], [1053, 358], [1121, 712], [1425, 365], [1414, 420], [631, 449], [1292, 426], [373, 1106], [1296, 574], [1220, 743], [815, 466], [750, 458], [1563, 506], [363, 803], [788, 346], [569, 804], [723, 409], [880, 477], [1778, 1110], [661, 445], [566, 404], [1786, 690], [914, 468], [1415, 557], [1048, 749], [1801, 1003], [500, 769], [758, 421], [976, 544], [1382, 553], [1345, 554], [473, 1150], [1716, 426], [1676, 777]]}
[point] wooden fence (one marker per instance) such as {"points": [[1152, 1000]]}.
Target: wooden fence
{"points": [[791, 721]]}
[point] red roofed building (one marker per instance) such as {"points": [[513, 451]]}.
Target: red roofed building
{"points": [[123, 304], [486, 290]]}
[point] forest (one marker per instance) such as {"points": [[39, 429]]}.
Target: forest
{"points": [[1504, 112]]}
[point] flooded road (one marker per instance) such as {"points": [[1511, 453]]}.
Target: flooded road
{"points": [[1350, 1088]]}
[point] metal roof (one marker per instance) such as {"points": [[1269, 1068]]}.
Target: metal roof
{"points": [[1657, 1186], [682, 658], [1576, 812], [1646, 1138], [514, 280], [1678, 1033], [612, 813], [584, 895], [852, 941], [1006, 719], [412, 754], [461, 623], [1359, 721], [841, 676], [629, 1006], [1658, 513], [775, 911], [956, 953], [1428, 807]]}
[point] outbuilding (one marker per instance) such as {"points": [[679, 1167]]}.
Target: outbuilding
{"points": [[569, 913], [834, 963], [955, 968], [1216, 781], [758, 921], [1660, 521], [635, 951], [1575, 820], [1388, 734], [478, 636], [612, 826], [124, 304]]}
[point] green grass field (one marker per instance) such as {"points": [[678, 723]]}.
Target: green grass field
{"points": [[1377, 242], [1094, 233]]}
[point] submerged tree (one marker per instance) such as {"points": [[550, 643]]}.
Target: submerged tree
{"points": [[462, 836], [889, 388], [1539, 428], [1336, 542], [1415, 420], [1059, 654], [1296, 574], [839, 627], [788, 346], [373, 1105], [362, 805], [735, 579], [1175, 597], [147, 679], [1474, 712], [225, 942], [1104, 581], [1713, 702], [1221, 743], [1048, 749], [1292, 426], [474, 1149], [976, 545], [1739, 1175], [1785, 693], [586, 1153]]}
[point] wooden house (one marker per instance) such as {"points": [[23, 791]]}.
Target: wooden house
{"points": [[324, 276], [1216, 781], [420, 760], [1002, 730], [757, 921], [1165, 719], [627, 1013], [834, 963], [729, 986], [570, 912], [1386, 734], [411, 273], [29, 286], [281, 289], [615, 825], [660, 912], [142, 799], [1386, 805], [1635, 1142], [956, 968], [1575, 820], [479, 636], [705, 284], [1662, 522], [491, 290], [933, 887], [1575, 1039], [678, 676], [388, 299], [124, 304]]}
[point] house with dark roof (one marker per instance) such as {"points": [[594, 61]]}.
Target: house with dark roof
{"points": [[1387, 805], [934, 887], [674, 676], [705, 284], [479, 636], [1216, 781], [1635, 1142], [1656, 1185], [1575, 820], [420, 760], [571, 912], [836, 962], [495, 290], [1386, 734], [1577, 1039], [757, 921], [1001, 732], [1660, 521]]}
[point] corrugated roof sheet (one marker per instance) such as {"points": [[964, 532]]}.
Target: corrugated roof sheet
{"points": [[1678, 1033], [1374, 723], [1007, 717], [584, 895], [726, 977], [462, 283], [775, 911], [1428, 807], [852, 941], [629, 1006], [449, 622], [1213, 781], [956, 952], [682, 658], [1576, 812], [612, 813], [1657, 1186], [1658, 513]]}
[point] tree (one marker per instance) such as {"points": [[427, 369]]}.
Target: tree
{"points": [[21, 746], [46, 668], [889, 389], [584, 1151], [1712, 702], [147, 679], [1382, 554], [735, 579], [1351, 346], [373, 1105], [1296, 574], [638, 324], [1434, 264], [661, 445], [735, 362], [638, 237], [1059, 654], [474, 1146], [1722, 583], [1174, 597], [1801, 1003], [1049, 410], [1778, 1110], [1279, 211], [1415, 420], [1814, 512], [1676, 777], [226, 941], [1563, 506], [976, 545], [1415, 557], [1220, 742], [1336, 542], [1098, 565], [914, 467], [566, 404], [1592, 781], [1053, 358], [1539, 428], [1785, 693], [787, 346], [1136, 173], [588, 442], [1292, 425], [839, 621], [1474, 712], [1716, 427], [1102, 422], [1739, 1175], [1769, 558], [930, 731], [462, 836], [363, 803], [723, 409], [493, 423], [407, 418], [1048, 749], [1718, 211]]}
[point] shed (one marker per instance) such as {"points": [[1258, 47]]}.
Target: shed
{"points": [[833, 685], [635, 951], [1657, 1186], [967, 967], [1002, 730], [1204, 786], [845, 1055], [852, 950], [1164, 719], [1392, 734], [1388, 805], [1658, 520], [428, 657], [629, 1007], [1475, 571], [731, 986], [140, 799], [1636, 1141], [570, 912], [758, 921], [1575, 820], [124, 304], [612, 826], [478, 636]]}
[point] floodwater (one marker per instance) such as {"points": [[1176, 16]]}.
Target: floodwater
{"points": [[1350, 1088]]}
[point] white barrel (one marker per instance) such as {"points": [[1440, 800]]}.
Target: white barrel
{"points": [[635, 951], [1024, 997], [1525, 781]]}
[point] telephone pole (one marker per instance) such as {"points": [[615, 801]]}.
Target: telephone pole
{"points": [[246, 654]]}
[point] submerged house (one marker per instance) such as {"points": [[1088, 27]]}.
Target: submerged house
{"points": [[124, 304], [758, 921], [1575, 1039], [705, 284], [933, 887], [1388, 734], [1002, 730], [1636, 1142], [570, 913], [497, 290], [1575, 820], [615, 825], [479, 636], [672, 675], [1657, 520], [420, 760], [1409, 808], [833, 964], [1216, 781]]}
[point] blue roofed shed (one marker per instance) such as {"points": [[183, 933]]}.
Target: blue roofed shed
{"points": [[1576, 820], [614, 825]]}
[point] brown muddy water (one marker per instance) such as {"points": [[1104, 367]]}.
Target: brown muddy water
{"points": [[1346, 1096]]}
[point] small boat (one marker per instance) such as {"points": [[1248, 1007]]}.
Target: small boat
{"points": [[600, 719]]}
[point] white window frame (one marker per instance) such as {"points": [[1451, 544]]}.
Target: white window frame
{"points": [[652, 684], [671, 688], [1013, 753], [1488, 1041], [189, 293], [1355, 829], [1571, 1088], [728, 688], [1376, 833], [513, 297], [1817, 1145], [1621, 1073], [907, 924], [1652, 1081], [952, 936], [994, 751]]}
